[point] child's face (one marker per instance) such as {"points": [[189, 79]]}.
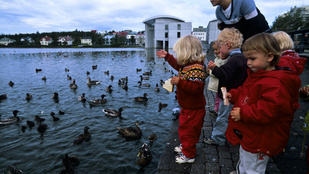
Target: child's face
{"points": [[224, 50], [257, 61], [216, 49]]}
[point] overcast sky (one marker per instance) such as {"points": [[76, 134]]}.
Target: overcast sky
{"points": [[30, 16]]}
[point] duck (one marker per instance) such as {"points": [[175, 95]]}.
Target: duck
{"points": [[30, 124], [106, 72], [125, 86], [102, 100], [92, 82], [131, 133], [55, 96], [109, 89], [112, 78], [66, 164], [23, 128], [157, 88], [44, 78], [3, 96], [162, 105], [28, 96], [14, 170], [11, 119], [73, 85], [144, 155], [162, 82], [148, 73], [83, 137], [54, 117], [94, 67], [137, 70], [42, 127], [152, 137], [69, 77], [73, 160], [61, 112], [87, 73], [144, 78], [113, 113], [38, 119], [143, 84], [11, 84], [142, 99], [82, 97], [38, 70], [66, 70]]}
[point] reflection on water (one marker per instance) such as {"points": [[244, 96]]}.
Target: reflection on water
{"points": [[107, 151]]}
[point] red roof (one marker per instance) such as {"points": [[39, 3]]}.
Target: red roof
{"points": [[46, 38]]}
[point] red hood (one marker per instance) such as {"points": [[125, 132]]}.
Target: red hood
{"points": [[291, 60]]}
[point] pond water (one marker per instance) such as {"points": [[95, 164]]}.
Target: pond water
{"points": [[107, 151]]}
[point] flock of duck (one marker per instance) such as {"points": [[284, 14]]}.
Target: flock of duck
{"points": [[129, 133]]}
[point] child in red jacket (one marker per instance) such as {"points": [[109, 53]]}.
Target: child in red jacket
{"points": [[264, 105], [190, 93]]}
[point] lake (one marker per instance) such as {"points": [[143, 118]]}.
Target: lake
{"points": [[107, 151]]}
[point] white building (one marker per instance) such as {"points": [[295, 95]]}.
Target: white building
{"points": [[86, 40], [65, 40], [6, 41], [108, 39], [46, 40], [200, 33], [212, 31], [163, 31], [140, 39]]}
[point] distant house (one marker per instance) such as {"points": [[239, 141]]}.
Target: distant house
{"points": [[6, 41], [108, 39], [28, 40], [130, 39], [200, 33], [140, 39], [65, 40], [46, 40], [86, 40], [163, 31]]}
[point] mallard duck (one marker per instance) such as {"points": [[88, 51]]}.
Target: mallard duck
{"points": [[42, 127], [106, 72], [88, 73], [143, 84], [13, 170], [82, 98], [94, 67], [73, 160], [142, 99], [11, 84], [83, 137], [3, 96], [144, 78], [113, 113], [66, 164], [144, 155], [11, 119], [55, 96], [38, 70], [152, 137], [137, 70], [147, 73], [125, 86], [30, 124], [23, 128], [66, 70], [131, 133], [38, 119], [112, 78], [44, 78], [162, 105], [61, 112], [92, 82], [54, 117], [162, 82], [28, 96], [157, 88], [73, 85], [69, 77], [109, 89], [102, 100]]}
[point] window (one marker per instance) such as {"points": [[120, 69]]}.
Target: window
{"points": [[166, 34], [178, 34], [166, 27], [178, 27]]}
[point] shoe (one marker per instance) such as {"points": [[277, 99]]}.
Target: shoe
{"points": [[183, 159], [210, 141], [178, 149]]}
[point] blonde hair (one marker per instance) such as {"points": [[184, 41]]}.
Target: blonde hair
{"points": [[231, 35], [263, 43], [189, 50], [284, 40]]}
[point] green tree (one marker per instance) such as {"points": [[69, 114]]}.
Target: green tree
{"points": [[290, 21]]}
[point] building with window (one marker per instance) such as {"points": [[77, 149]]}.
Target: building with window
{"points": [[212, 31], [200, 33], [162, 32], [86, 40]]}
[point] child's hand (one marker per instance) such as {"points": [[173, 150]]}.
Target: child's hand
{"points": [[235, 114], [175, 80], [228, 96], [211, 65], [161, 53]]}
